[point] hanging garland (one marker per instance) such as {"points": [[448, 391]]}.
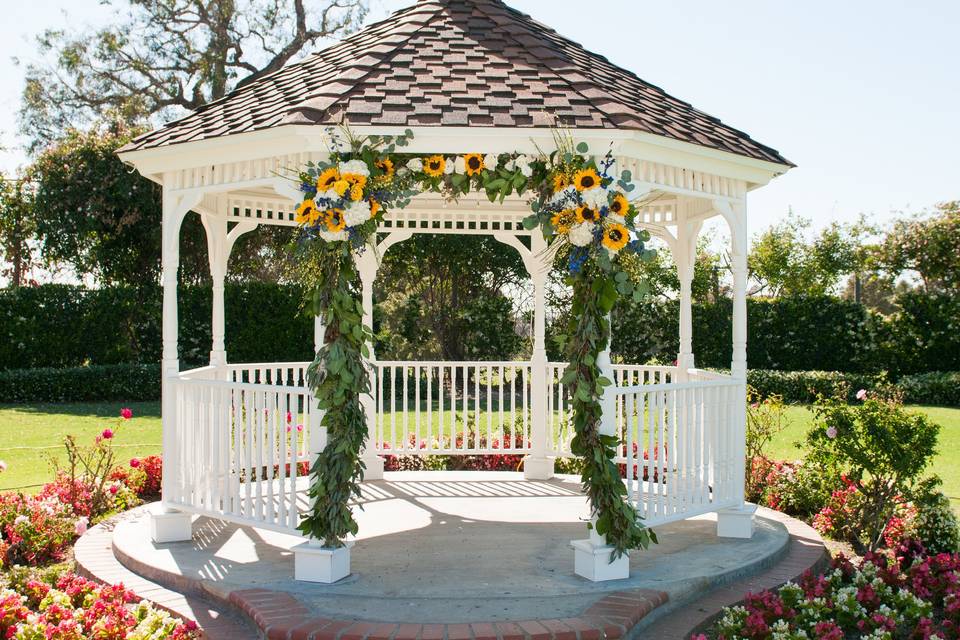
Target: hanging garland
{"points": [[586, 217]]}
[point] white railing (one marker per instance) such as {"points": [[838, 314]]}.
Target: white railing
{"points": [[682, 446], [240, 447], [451, 408]]}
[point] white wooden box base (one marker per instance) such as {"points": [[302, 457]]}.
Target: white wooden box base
{"points": [[313, 563], [170, 526], [737, 522], [537, 468], [374, 467], [592, 562]]}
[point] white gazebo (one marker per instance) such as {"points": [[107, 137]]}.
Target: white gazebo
{"points": [[463, 76]]}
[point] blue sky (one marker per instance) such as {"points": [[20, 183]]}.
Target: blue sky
{"points": [[863, 95]]}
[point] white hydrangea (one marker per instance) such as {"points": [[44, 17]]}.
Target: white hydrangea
{"points": [[358, 167], [415, 164], [356, 213], [331, 194], [460, 166], [333, 236], [616, 219], [490, 161], [564, 195], [581, 234], [450, 166], [596, 198]]}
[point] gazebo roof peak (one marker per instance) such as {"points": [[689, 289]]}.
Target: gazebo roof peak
{"points": [[456, 63]]}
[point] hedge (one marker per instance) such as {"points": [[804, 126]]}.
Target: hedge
{"points": [[942, 388], [119, 382]]}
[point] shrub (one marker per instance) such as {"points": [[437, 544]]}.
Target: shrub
{"points": [[800, 489], [934, 523], [939, 388], [119, 382], [765, 419], [35, 530], [882, 449], [806, 386]]}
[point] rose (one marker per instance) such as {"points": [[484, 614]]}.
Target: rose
{"points": [[126, 413], [107, 434], [134, 463], [831, 432], [862, 394], [3, 466], [80, 527]]}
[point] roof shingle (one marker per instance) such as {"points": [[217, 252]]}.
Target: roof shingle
{"points": [[456, 63]]}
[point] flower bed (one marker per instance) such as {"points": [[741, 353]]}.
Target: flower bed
{"points": [[902, 595]]}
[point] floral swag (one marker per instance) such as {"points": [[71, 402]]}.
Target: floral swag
{"points": [[585, 215]]}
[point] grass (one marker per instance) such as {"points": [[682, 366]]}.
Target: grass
{"points": [[31, 436]]}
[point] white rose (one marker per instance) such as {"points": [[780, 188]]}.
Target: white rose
{"points": [[525, 169], [490, 161], [511, 164], [358, 167], [333, 236], [449, 168], [595, 198], [357, 213], [460, 166], [415, 164], [581, 234]]}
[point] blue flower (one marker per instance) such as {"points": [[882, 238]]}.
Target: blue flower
{"points": [[576, 261]]}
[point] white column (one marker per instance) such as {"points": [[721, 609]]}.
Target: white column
{"points": [[367, 265], [318, 433], [218, 254], [167, 524], [685, 257], [538, 465]]}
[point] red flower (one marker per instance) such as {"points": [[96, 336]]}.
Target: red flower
{"points": [[126, 413], [134, 463], [107, 434]]}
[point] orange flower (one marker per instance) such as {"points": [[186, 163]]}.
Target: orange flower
{"points": [[334, 220], [307, 213], [374, 207], [473, 163], [327, 178]]}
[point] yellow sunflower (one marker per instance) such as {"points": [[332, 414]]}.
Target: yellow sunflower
{"points": [[586, 179], [355, 179], [560, 182], [334, 220], [563, 220], [374, 207], [327, 178], [434, 166], [307, 213], [474, 163], [620, 205], [615, 237], [586, 214], [386, 165], [341, 187], [356, 192]]}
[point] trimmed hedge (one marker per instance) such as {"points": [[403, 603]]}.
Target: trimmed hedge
{"points": [[942, 388], [936, 388], [119, 382]]}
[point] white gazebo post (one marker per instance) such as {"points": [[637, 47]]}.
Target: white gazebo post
{"points": [[685, 257], [169, 524], [367, 265], [591, 558], [537, 465], [738, 521]]}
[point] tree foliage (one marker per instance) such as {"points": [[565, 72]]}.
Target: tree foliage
{"points": [[165, 56], [927, 246], [17, 228]]}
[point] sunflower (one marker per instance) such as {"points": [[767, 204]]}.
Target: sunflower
{"points": [[386, 166], [374, 207], [586, 179], [474, 163], [615, 237], [334, 220], [341, 187], [620, 205], [327, 178], [307, 213], [356, 192], [563, 220], [434, 166], [560, 182], [586, 214]]}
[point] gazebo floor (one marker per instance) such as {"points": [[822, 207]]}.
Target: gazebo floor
{"points": [[451, 548]]}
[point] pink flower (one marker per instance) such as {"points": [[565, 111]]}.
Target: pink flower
{"points": [[80, 527], [113, 489], [3, 466], [299, 427], [862, 394], [289, 417], [831, 432], [126, 413], [134, 463], [107, 434], [289, 428]]}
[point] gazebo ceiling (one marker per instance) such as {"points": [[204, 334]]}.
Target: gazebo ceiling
{"points": [[456, 63]]}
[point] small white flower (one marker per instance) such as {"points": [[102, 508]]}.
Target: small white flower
{"points": [[525, 169], [331, 194], [460, 166], [511, 164], [490, 161], [415, 165], [356, 213], [596, 198], [581, 234], [449, 168], [358, 167], [21, 519], [333, 236]]}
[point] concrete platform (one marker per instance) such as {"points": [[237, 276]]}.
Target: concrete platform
{"points": [[451, 548]]}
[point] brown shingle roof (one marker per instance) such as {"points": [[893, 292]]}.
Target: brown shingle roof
{"points": [[456, 63]]}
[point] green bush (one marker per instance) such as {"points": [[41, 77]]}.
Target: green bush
{"points": [[940, 388], [806, 386], [120, 382]]}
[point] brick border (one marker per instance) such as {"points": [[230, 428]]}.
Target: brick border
{"points": [[806, 551]]}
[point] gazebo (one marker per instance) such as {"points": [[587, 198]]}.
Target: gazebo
{"points": [[463, 76]]}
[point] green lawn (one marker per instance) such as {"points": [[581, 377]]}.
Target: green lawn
{"points": [[32, 435]]}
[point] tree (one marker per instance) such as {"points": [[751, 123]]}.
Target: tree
{"points": [[660, 274], [95, 215], [927, 246], [784, 263], [166, 56], [16, 229]]}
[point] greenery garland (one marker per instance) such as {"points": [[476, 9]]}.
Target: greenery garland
{"points": [[585, 215]]}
